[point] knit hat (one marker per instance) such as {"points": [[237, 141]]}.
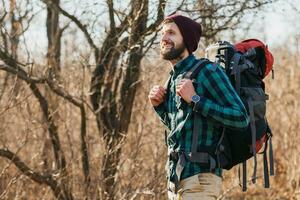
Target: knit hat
{"points": [[189, 29]]}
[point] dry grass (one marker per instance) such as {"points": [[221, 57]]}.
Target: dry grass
{"points": [[141, 171]]}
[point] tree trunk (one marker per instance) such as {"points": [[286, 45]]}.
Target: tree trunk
{"points": [[114, 91], [16, 29], [54, 34]]}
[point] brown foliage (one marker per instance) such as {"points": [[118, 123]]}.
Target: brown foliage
{"points": [[31, 165]]}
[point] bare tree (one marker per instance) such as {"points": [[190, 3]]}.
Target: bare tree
{"points": [[114, 82], [113, 88], [219, 16], [11, 36], [54, 33]]}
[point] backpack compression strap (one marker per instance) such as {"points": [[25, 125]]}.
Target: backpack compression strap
{"points": [[237, 69], [271, 157]]}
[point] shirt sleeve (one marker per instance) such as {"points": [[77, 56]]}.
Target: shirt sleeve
{"points": [[162, 114], [223, 104]]}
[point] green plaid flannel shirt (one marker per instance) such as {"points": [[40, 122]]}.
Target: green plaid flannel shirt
{"points": [[219, 107]]}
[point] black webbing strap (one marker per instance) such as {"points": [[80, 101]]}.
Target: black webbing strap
{"points": [[237, 71], [239, 174], [271, 158], [237, 75], [199, 157], [253, 138], [253, 134], [244, 184], [195, 136], [266, 168], [218, 151], [190, 75]]}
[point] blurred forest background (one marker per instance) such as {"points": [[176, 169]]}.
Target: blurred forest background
{"points": [[75, 122]]}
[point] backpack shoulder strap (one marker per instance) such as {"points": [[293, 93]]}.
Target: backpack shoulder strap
{"points": [[195, 156], [193, 72]]}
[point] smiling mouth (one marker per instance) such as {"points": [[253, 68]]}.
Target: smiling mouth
{"points": [[168, 46]]}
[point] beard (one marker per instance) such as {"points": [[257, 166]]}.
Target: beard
{"points": [[173, 52]]}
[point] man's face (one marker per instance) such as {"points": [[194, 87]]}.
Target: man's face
{"points": [[171, 43]]}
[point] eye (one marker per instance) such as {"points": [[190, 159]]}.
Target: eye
{"points": [[171, 32]]}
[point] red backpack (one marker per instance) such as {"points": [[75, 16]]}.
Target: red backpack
{"points": [[246, 64]]}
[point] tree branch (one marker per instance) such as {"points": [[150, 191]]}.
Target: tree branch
{"points": [[159, 17], [3, 17], [58, 190], [56, 88], [21, 74], [12, 65], [78, 23], [35, 176], [110, 5], [84, 150]]}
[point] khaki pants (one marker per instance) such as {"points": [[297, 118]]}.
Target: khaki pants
{"points": [[203, 186]]}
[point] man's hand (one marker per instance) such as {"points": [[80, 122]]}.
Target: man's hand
{"points": [[157, 95], [185, 89]]}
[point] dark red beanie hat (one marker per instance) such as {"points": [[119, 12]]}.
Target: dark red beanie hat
{"points": [[190, 30]]}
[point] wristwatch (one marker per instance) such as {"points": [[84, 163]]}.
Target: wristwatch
{"points": [[195, 99]]}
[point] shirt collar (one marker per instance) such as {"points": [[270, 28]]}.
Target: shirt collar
{"points": [[184, 64]]}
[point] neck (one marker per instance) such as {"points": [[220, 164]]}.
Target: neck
{"points": [[183, 56]]}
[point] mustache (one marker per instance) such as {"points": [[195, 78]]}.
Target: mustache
{"points": [[165, 42]]}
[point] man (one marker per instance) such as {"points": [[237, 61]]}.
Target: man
{"points": [[213, 98]]}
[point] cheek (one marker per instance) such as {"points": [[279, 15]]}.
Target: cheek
{"points": [[178, 41]]}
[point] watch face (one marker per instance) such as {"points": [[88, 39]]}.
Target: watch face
{"points": [[195, 98]]}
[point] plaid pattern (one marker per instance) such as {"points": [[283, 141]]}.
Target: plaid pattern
{"points": [[219, 106]]}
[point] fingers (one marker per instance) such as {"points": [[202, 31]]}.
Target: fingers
{"points": [[184, 87], [180, 86], [158, 90], [183, 81], [157, 93], [178, 92], [162, 90], [157, 96]]}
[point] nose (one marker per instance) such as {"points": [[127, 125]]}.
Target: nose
{"points": [[165, 38]]}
